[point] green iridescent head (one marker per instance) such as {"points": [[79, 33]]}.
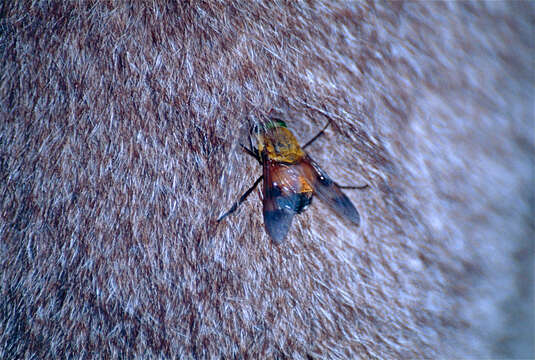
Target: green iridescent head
{"points": [[269, 124], [274, 123]]}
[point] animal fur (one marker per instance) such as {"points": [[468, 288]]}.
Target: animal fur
{"points": [[119, 148]]}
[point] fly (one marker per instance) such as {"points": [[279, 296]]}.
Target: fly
{"points": [[290, 180]]}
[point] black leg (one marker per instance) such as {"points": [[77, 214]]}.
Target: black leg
{"points": [[317, 135], [253, 152], [361, 187], [321, 133], [251, 144], [242, 199]]}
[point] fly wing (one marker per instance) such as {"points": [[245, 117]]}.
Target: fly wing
{"points": [[328, 191], [279, 202]]}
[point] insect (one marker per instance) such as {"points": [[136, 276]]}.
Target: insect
{"points": [[291, 178]]}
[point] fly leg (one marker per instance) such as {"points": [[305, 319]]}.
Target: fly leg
{"points": [[317, 135], [361, 187], [251, 150], [242, 199]]}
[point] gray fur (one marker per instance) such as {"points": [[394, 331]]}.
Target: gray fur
{"points": [[119, 133]]}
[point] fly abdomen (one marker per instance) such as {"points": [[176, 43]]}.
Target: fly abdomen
{"points": [[296, 202]]}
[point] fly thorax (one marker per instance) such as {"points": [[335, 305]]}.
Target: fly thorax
{"points": [[281, 146]]}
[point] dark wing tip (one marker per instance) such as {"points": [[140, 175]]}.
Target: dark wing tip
{"points": [[328, 191], [343, 206], [277, 223]]}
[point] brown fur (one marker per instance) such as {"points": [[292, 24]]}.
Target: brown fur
{"points": [[119, 148]]}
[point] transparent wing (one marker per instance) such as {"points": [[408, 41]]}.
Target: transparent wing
{"points": [[328, 191]]}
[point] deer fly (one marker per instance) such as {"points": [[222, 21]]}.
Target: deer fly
{"points": [[291, 178]]}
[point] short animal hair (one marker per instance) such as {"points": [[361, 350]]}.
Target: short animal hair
{"points": [[120, 127]]}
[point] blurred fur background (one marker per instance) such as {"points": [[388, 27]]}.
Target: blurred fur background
{"points": [[119, 147]]}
